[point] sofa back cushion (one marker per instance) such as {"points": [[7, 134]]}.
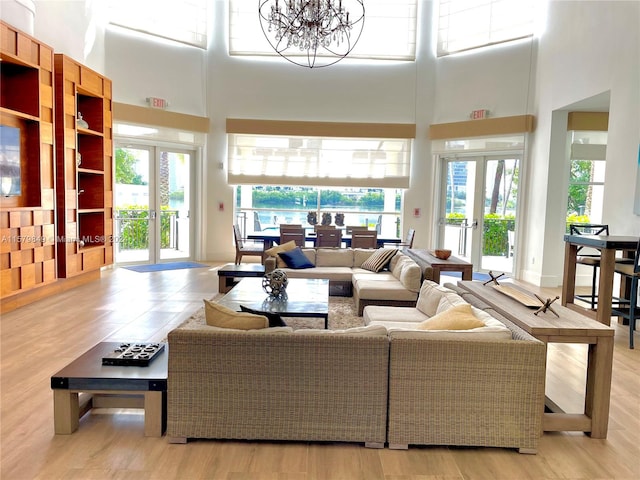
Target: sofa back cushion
{"points": [[429, 297], [366, 331], [361, 255], [334, 257], [410, 276]]}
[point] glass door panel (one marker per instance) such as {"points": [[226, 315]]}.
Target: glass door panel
{"points": [[458, 215], [499, 218], [478, 210], [174, 200], [133, 199]]}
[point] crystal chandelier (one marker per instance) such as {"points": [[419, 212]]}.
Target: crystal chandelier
{"points": [[312, 33]]}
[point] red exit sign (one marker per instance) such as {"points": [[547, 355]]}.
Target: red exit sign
{"points": [[479, 114], [155, 102]]}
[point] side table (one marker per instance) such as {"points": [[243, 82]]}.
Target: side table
{"points": [[109, 386], [229, 272], [432, 266]]}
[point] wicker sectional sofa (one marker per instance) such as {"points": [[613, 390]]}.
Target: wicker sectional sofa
{"points": [[277, 385], [397, 286], [374, 384]]}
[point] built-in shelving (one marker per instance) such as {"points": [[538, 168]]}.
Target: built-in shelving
{"points": [[27, 219], [84, 163]]}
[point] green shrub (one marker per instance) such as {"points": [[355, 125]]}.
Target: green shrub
{"points": [[133, 222]]}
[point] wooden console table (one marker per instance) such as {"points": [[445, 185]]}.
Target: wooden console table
{"points": [[432, 266], [570, 327], [608, 245]]}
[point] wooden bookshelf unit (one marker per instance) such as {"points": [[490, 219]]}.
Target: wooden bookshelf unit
{"points": [[27, 218], [84, 155]]}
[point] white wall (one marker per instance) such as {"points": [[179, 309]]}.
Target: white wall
{"points": [[348, 91], [588, 47], [140, 68]]}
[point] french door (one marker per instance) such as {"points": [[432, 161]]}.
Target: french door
{"points": [[478, 209], [153, 203]]}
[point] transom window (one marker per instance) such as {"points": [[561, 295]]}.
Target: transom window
{"points": [[469, 24], [389, 31], [184, 21]]}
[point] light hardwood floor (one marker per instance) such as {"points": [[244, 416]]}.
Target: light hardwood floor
{"points": [[39, 339]]}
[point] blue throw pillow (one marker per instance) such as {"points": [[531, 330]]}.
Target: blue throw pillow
{"points": [[296, 259]]}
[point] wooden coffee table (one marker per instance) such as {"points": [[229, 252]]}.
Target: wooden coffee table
{"points": [[569, 327], [110, 387], [228, 273], [305, 298]]}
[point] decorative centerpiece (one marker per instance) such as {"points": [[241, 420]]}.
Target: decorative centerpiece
{"points": [[275, 283], [312, 218], [442, 253], [339, 219], [82, 123], [326, 219]]}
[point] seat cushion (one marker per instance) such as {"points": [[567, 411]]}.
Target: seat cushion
{"points": [[376, 290], [342, 274], [385, 315]]}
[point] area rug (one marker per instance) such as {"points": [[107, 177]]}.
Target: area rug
{"points": [[342, 315], [159, 267]]}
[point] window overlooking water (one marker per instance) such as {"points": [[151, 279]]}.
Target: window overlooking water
{"points": [[265, 207]]}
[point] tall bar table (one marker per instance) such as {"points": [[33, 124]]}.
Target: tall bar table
{"points": [[608, 246]]}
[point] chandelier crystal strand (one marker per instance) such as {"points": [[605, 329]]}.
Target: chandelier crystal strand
{"points": [[312, 33]]}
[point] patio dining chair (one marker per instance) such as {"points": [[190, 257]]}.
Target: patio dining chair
{"points": [[292, 232], [246, 249], [328, 237], [364, 239]]}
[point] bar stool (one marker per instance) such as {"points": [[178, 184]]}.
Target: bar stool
{"points": [[592, 260], [619, 309]]}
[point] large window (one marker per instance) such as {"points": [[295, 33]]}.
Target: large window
{"points": [[265, 207], [468, 24], [180, 20], [389, 30], [586, 177], [284, 171]]}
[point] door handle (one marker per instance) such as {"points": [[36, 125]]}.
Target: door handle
{"points": [[152, 214]]}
